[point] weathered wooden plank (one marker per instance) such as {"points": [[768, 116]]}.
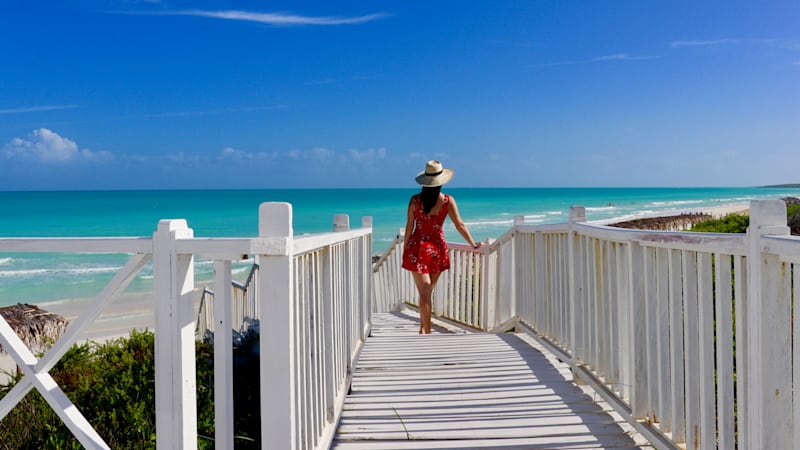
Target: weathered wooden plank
{"points": [[677, 421], [724, 351], [661, 309], [691, 356], [564, 442]]}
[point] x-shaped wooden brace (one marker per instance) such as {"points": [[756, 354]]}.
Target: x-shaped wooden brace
{"points": [[36, 372]]}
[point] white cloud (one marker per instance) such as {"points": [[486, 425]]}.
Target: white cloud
{"points": [[47, 146], [620, 57], [367, 156], [31, 109], [230, 153], [706, 43], [318, 154], [791, 44], [276, 19], [213, 112], [599, 59]]}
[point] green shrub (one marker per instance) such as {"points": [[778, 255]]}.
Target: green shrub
{"points": [[793, 218], [736, 223], [732, 223], [113, 384]]}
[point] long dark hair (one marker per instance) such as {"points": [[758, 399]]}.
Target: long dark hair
{"points": [[429, 195]]}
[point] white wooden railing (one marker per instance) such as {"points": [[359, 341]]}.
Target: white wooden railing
{"points": [[649, 319], [244, 303], [315, 292]]}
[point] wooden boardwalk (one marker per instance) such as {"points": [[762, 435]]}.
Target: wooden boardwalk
{"points": [[468, 391]]}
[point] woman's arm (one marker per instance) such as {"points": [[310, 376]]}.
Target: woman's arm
{"points": [[409, 223], [460, 225]]}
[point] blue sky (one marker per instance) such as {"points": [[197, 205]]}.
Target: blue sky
{"points": [[106, 94]]}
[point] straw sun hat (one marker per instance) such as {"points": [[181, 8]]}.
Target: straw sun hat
{"points": [[434, 174]]}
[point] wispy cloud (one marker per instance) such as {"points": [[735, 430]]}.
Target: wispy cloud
{"points": [[706, 43], [316, 155], [600, 59], [792, 44], [213, 112], [275, 19], [31, 109]]}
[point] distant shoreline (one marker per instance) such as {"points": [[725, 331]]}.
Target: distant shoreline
{"points": [[783, 186], [679, 220]]}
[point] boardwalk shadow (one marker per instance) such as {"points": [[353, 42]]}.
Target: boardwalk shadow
{"points": [[560, 381], [466, 391]]}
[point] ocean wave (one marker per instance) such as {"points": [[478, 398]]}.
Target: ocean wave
{"points": [[479, 223], [677, 203], [21, 273], [240, 270], [600, 208], [77, 271], [4, 261]]}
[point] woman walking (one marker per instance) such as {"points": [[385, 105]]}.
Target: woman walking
{"points": [[425, 250]]}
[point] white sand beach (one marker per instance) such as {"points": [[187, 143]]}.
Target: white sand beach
{"points": [[715, 212], [723, 210], [126, 313]]}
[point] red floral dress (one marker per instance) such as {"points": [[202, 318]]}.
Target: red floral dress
{"points": [[426, 251]]}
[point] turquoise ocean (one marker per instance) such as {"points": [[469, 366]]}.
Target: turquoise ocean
{"points": [[489, 212]]}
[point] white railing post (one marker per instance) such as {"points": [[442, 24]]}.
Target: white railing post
{"points": [[276, 288], [489, 291], [366, 284], [577, 214], [636, 330], [769, 340], [341, 222], [173, 283], [223, 355], [517, 309]]}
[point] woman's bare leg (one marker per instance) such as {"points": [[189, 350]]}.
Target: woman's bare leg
{"points": [[425, 290], [434, 279], [425, 285]]}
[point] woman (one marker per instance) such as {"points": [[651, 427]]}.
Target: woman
{"points": [[425, 250]]}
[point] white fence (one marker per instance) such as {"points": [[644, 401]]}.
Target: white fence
{"points": [[688, 335], [244, 301], [315, 293]]}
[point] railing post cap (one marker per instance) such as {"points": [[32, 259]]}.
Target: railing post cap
{"points": [[275, 219], [179, 226], [366, 222], [341, 222], [577, 214], [519, 220], [767, 213]]}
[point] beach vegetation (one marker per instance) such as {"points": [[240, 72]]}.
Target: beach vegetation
{"points": [[732, 223], [113, 384], [738, 223]]}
